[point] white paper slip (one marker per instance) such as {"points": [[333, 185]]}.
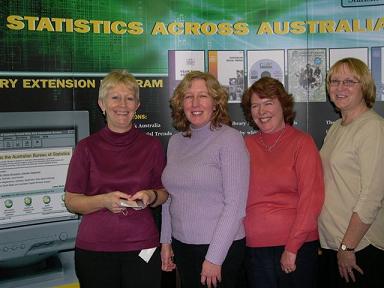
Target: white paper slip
{"points": [[146, 254]]}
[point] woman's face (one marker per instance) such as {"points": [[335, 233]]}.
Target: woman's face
{"points": [[346, 98], [120, 105], [267, 113], [198, 105]]}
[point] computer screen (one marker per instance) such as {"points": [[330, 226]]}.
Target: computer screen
{"points": [[35, 150]]}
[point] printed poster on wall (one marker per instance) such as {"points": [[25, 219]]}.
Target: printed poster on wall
{"points": [[53, 51]]}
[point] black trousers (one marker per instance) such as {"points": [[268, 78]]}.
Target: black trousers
{"points": [[264, 270], [117, 269], [370, 259], [189, 260]]}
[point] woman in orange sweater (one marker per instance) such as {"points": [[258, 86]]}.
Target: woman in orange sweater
{"points": [[286, 192]]}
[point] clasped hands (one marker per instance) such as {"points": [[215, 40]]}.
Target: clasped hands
{"points": [[112, 199]]}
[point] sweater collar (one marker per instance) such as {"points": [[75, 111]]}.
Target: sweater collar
{"points": [[271, 138], [201, 132], [119, 139]]}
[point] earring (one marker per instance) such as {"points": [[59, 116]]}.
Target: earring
{"points": [[104, 112]]}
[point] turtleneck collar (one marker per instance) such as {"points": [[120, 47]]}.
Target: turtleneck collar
{"points": [[119, 139], [203, 131]]}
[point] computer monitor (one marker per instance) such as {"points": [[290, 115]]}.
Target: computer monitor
{"points": [[35, 150]]}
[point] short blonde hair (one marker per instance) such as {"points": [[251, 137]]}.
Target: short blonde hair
{"points": [[361, 72], [117, 77]]}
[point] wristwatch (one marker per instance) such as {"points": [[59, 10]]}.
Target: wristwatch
{"points": [[344, 247]]}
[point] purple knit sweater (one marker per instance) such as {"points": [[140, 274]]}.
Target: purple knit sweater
{"points": [[207, 177], [107, 161]]}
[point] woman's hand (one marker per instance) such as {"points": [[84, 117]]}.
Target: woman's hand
{"points": [[167, 263], [288, 261], [83, 204], [147, 196], [346, 261], [112, 201], [210, 274]]}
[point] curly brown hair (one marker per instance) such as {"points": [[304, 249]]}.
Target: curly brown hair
{"points": [[267, 87], [216, 91]]}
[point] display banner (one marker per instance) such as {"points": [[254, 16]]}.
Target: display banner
{"points": [[53, 54]]}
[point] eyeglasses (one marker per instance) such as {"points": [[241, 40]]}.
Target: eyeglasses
{"points": [[346, 83]]}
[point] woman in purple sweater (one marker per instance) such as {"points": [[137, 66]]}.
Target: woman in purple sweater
{"points": [[114, 244], [207, 177]]}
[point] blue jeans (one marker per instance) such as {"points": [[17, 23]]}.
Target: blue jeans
{"points": [[264, 270]]}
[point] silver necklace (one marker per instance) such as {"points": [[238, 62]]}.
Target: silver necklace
{"points": [[270, 147]]}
